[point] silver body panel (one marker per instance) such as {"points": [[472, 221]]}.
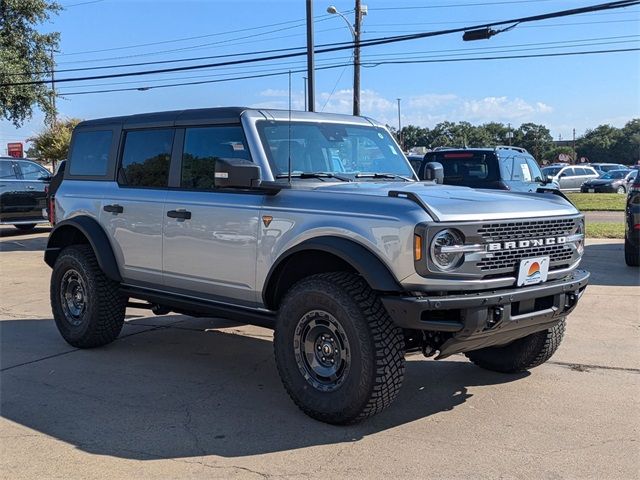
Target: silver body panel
{"points": [[225, 251]]}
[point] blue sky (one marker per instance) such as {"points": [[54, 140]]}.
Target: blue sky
{"points": [[562, 92]]}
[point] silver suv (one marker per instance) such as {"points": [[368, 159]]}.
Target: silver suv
{"points": [[314, 225]]}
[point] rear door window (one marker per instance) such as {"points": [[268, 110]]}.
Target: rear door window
{"points": [[90, 153], [31, 171], [145, 158]]}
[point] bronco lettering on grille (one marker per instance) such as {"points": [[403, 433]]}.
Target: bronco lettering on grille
{"points": [[536, 242]]}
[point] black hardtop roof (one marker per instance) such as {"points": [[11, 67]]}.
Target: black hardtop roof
{"points": [[171, 118], [498, 151]]}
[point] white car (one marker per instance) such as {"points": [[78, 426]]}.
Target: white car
{"points": [[571, 177]]}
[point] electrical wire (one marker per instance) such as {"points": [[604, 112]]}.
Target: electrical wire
{"points": [[364, 64], [363, 44]]}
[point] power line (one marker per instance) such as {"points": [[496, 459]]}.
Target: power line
{"points": [[364, 64], [366, 43], [468, 51], [456, 5]]}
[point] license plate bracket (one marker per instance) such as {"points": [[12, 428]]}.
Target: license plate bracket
{"points": [[533, 271]]}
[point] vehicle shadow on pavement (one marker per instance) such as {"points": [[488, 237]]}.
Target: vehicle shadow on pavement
{"points": [[22, 242], [606, 263], [14, 232], [170, 387]]}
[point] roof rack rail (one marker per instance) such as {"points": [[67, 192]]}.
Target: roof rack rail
{"points": [[510, 147]]}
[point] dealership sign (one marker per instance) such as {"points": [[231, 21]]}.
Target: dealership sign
{"points": [[15, 150]]}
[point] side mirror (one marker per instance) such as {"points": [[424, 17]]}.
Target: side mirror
{"points": [[45, 178], [433, 171], [562, 175], [236, 173]]}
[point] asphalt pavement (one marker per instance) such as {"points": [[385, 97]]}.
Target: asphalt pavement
{"points": [[179, 397]]}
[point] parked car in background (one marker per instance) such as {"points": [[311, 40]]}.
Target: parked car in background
{"points": [[500, 168], [22, 193], [632, 225], [415, 161], [571, 177], [614, 181], [603, 168]]}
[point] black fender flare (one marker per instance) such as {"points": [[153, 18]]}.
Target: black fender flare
{"points": [[64, 234], [360, 258]]}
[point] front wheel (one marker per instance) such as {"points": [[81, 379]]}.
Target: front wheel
{"points": [[522, 354], [339, 355], [87, 306], [621, 190]]}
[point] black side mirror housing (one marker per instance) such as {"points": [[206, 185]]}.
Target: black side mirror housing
{"points": [[45, 178], [434, 171], [236, 173]]}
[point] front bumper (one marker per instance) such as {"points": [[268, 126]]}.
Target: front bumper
{"points": [[489, 318], [598, 188]]}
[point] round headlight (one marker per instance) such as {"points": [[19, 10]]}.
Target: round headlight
{"points": [[442, 254]]}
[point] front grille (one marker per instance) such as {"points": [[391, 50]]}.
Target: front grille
{"points": [[559, 256], [503, 261], [522, 230]]}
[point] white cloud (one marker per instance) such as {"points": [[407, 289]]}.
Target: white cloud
{"points": [[424, 110]]}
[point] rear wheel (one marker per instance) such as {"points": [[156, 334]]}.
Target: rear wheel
{"points": [[522, 354], [631, 254], [25, 227], [339, 355], [87, 306]]}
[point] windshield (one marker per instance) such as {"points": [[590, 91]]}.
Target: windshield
{"points": [[614, 174], [331, 148], [551, 171]]}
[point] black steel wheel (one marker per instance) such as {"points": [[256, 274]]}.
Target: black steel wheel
{"points": [[88, 307], [322, 350], [339, 355]]}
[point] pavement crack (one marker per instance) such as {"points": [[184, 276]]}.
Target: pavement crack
{"points": [[585, 367]]}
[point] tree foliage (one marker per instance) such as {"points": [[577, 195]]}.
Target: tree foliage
{"points": [[52, 144], [602, 144], [25, 55]]}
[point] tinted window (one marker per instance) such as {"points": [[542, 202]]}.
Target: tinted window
{"points": [[551, 171], [90, 154], [461, 168], [31, 171], [581, 171], [202, 146], [569, 172], [145, 158], [6, 171]]}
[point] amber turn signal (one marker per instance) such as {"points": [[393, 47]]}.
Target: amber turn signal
{"points": [[417, 247]]}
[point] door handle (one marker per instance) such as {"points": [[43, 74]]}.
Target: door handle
{"points": [[181, 214], [114, 208], [30, 187]]}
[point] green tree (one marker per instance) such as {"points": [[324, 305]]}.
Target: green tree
{"points": [[553, 155], [52, 144], [627, 148], [25, 56], [535, 138], [599, 144]]}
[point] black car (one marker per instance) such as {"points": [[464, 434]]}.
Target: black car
{"points": [[614, 181], [501, 168], [52, 188], [632, 225], [603, 168], [22, 193]]}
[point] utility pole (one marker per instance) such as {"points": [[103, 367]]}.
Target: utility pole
{"points": [[575, 155], [399, 125], [310, 62], [356, 59], [54, 120]]}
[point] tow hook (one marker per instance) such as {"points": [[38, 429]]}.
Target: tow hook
{"points": [[570, 300], [497, 314]]}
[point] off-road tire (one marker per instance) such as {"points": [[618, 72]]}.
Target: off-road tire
{"points": [[25, 227], [522, 354], [101, 321], [631, 254], [376, 344]]}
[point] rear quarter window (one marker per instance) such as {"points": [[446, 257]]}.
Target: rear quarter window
{"points": [[90, 153]]}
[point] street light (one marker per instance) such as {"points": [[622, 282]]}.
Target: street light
{"points": [[360, 11]]}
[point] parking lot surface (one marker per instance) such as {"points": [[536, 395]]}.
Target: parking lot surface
{"points": [[179, 397]]}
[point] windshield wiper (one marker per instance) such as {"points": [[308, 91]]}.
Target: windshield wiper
{"points": [[383, 175], [320, 175]]}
